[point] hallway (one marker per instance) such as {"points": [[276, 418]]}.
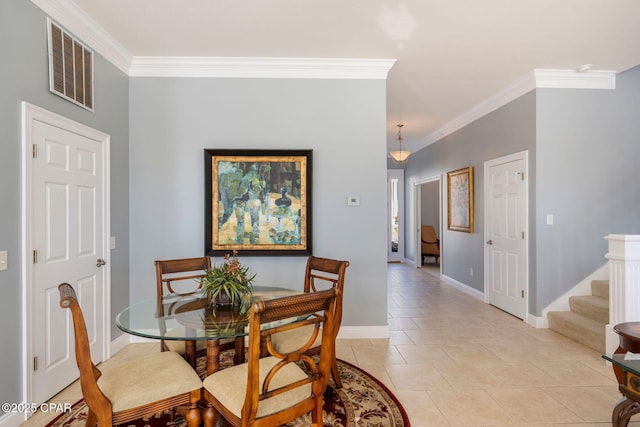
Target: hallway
{"points": [[453, 360]]}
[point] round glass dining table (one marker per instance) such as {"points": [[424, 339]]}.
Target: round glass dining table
{"points": [[192, 318]]}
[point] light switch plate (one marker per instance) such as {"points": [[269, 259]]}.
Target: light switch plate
{"points": [[353, 201], [3, 260]]}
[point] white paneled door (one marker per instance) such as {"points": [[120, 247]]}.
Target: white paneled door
{"points": [[67, 244], [506, 233]]}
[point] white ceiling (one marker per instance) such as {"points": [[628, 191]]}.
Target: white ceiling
{"points": [[451, 54]]}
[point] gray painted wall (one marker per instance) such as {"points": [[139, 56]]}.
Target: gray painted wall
{"points": [[583, 154], [587, 160], [174, 119], [24, 77], [510, 129]]}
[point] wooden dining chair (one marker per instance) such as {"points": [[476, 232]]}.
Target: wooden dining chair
{"points": [[321, 273], [141, 387], [183, 277], [272, 390]]}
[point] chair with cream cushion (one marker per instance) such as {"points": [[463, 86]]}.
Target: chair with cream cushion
{"points": [[272, 390], [321, 273], [429, 243], [183, 277], [141, 387]]}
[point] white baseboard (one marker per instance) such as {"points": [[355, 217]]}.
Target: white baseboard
{"points": [[12, 419], [134, 339], [119, 343], [363, 332], [462, 287], [410, 262], [536, 322]]}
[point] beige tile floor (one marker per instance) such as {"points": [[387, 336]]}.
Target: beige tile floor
{"points": [[453, 360]]}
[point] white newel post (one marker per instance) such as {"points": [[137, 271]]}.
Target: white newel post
{"points": [[624, 283]]}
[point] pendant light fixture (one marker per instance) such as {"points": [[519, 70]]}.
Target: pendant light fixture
{"points": [[400, 155]]}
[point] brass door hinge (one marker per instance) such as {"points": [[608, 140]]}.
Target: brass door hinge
{"points": [[35, 256], [35, 363], [34, 151]]}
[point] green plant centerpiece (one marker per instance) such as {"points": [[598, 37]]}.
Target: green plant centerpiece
{"points": [[226, 283]]}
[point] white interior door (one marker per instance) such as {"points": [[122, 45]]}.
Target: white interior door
{"points": [[506, 233], [67, 229], [395, 215]]}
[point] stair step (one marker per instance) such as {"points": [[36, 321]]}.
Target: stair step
{"points": [[590, 306], [600, 288], [579, 328]]}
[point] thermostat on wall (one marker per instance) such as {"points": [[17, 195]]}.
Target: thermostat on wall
{"points": [[353, 201]]}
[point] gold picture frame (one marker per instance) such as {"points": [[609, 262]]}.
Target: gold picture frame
{"points": [[258, 202], [460, 200]]}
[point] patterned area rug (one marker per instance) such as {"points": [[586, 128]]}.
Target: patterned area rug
{"points": [[362, 401]]}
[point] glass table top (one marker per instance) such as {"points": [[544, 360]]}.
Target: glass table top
{"points": [[192, 317], [627, 361]]}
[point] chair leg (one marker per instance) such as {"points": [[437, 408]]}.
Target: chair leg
{"points": [[336, 375], [193, 416], [210, 416], [316, 413], [103, 416], [92, 420]]}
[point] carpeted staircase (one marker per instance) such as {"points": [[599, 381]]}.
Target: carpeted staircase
{"points": [[587, 319]]}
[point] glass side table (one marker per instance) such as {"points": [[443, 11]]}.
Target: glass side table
{"points": [[629, 365]]}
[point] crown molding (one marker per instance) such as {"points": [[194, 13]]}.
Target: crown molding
{"points": [[76, 21], [537, 79], [513, 91], [572, 79], [240, 67]]}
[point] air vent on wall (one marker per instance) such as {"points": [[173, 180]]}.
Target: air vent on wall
{"points": [[70, 67]]}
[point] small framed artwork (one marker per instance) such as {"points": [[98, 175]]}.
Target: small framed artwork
{"points": [[460, 200], [258, 202]]}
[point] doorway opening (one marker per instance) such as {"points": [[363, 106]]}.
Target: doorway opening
{"points": [[395, 215], [428, 201]]}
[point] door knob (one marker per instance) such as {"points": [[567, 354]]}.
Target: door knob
{"points": [[489, 242], [100, 262]]}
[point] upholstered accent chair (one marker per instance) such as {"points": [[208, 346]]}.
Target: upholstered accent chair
{"points": [[430, 244], [320, 273], [183, 277], [141, 387], [272, 390]]}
